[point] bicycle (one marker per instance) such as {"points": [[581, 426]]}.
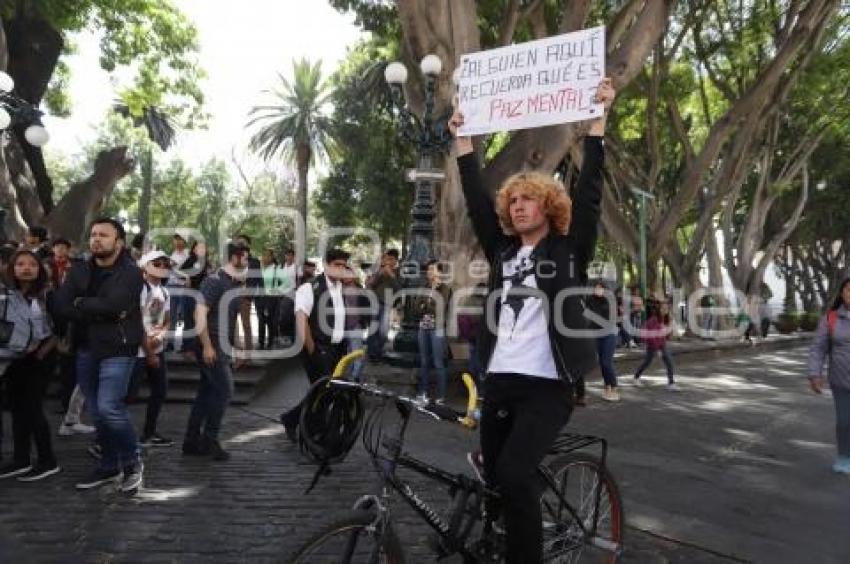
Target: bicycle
{"points": [[582, 509]]}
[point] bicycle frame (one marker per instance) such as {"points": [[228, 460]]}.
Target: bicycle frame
{"points": [[387, 464]]}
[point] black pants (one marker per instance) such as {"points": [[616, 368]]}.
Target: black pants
{"points": [[67, 378], [320, 363], [520, 419], [158, 390], [268, 319], [26, 388]]}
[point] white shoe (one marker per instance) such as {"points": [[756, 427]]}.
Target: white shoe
{"points": [[611, 394], [421, 400], [67, 429], [638, 382], [673, 387]]}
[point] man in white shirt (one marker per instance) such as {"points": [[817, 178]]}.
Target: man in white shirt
{"points": [[320, 320]]}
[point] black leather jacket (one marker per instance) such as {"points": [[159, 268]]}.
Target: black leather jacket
{"points": [[112, 319], [568, 257]]}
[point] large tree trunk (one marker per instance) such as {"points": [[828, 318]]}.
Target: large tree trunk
{"points": [[302, 163], [147, 191], [450, 29], [73, 212], [34, 47]]}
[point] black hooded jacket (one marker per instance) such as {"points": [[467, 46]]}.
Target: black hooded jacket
{"points": [[566, 257]]}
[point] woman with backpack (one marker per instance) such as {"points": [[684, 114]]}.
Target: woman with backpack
{"points": [[832, 341], [26, 337]]}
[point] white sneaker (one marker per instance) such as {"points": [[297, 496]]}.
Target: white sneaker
{"points": [[673, 387], [611, 394], [639, 382], [67, 429], [421, 400]]}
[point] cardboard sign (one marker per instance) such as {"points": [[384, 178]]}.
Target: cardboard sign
{"points": [[534, 84]]}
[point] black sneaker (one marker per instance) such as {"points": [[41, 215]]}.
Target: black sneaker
{"points": [[195, 447], [132, 479], [155, 440], [218, 453], [95, 451], [39, 472], [98, 478], [12, 469]]}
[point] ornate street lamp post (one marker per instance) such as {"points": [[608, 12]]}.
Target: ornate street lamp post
{"points": [[15, 111], [432, 139]]}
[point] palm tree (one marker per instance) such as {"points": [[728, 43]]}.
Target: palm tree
{"points": [[160, 131], [295, 126]]}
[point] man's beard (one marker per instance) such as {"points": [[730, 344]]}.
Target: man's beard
{"points": [[103, 254]]}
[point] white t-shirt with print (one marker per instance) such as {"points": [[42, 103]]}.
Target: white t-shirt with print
{"points": [[522, 343], [304, 303], [155, 304]]}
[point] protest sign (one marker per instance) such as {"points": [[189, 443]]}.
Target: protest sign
{"points": [[533, 84]]}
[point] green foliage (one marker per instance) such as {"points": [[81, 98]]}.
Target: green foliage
{"points": [[150, 37], [366, 185], [295, 119]]}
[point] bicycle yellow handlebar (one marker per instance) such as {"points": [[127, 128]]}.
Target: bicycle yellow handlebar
{"points": [[469, 420], [471, 402], [344, 362]]}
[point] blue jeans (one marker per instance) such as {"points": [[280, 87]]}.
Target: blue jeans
{"points": [[105, 383], [432, 350], [841, 397], [188, 344], [214, 392], [647, 360], [605, 347], [355, 344]]}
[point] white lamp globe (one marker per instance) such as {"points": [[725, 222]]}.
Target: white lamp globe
{"points": [[395, 73], [431, 65], [5, 119], [36, 135], [7, 83]]}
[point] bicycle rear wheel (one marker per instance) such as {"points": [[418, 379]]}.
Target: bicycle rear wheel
{"points": [[352, 539], [573, 479]]}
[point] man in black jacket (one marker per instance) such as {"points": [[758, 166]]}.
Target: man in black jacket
{"points": [[100, 297], [538, 244]]}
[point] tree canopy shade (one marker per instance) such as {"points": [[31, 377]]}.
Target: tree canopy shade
{"points": [[294, 126], [703, 88], [149, 37]]}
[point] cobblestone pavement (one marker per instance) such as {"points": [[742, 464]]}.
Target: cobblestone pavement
{"points": [[253, 508]]}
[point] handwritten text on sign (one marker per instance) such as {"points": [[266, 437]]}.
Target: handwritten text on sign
{"points": [[532, 84]]}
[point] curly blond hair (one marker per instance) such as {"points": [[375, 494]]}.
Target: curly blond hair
{"points": [[551, 194]]}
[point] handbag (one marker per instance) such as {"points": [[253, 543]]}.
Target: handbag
{"points": [[6, 327]]}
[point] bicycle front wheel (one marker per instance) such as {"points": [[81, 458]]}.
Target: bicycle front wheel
{"points": [[569, 508], [352, 539]]}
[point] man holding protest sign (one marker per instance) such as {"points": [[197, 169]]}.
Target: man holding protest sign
{"points": [[538, 243]]}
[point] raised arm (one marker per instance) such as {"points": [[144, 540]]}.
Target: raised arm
{"points": [[479, 204], [587, 197]]}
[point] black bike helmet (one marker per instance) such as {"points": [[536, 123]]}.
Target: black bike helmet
{"points": [[331, 420]]}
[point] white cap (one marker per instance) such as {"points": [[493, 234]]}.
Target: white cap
{"points": [[151, 256]]}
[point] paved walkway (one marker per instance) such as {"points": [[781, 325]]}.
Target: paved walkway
{"points": [[733, 468]]}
